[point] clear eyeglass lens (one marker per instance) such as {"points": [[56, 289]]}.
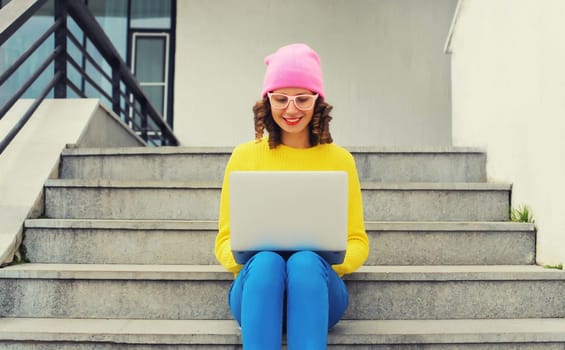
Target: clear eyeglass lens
{"points": [[301, 101]]}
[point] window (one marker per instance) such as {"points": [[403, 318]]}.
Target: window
{"points": [[143, 31], [150, 65]]}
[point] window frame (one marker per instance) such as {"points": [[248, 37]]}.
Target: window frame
{"points": [[134, 35]]}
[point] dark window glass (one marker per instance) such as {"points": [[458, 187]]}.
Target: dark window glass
{"points": [[112, 15], [150, 59], [150, 66], [156, 95], [151, 14]]}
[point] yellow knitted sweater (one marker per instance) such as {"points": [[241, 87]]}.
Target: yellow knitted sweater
{"points": [[255, 155]]}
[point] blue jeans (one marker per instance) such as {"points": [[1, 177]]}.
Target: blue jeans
{"points": [[314, 296]]}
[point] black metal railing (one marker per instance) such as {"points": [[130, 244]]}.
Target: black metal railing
{"points": [[125, 96]]}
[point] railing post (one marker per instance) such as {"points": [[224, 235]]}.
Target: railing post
{"points": [[60, 90], [144, 120], [116, 90]]}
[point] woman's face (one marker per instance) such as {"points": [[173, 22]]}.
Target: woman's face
{"points": [[291, 120]]}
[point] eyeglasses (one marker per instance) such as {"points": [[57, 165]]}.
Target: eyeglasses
{"points": [[302, 102]]}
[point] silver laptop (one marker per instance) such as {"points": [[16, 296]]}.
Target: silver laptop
{"points": [[289, 211]]}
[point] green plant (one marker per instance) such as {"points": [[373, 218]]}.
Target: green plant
{"points": [[558, 267], [522, 214], [18, 261]]}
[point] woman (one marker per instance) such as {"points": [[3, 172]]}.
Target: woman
{"points": [[302, 292]]}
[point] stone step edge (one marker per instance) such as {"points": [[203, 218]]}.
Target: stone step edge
{"points": [[212, 225], [352, 332], [383, 273], [152, 184], [169, 150]]}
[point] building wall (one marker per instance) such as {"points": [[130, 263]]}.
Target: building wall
{"points": [[508, 96], [384, 67]]}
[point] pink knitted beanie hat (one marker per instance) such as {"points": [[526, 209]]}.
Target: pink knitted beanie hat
{"points": [[295, 65]]}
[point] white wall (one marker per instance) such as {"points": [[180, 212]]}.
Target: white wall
{"points": [[508, 74], [384, 67]]}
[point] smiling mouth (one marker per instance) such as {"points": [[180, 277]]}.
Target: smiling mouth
{"points": [[292, 121]]}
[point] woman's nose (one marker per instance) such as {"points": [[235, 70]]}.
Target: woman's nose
{"points": [[291, 106]]}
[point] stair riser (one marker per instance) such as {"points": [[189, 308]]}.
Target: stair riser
{"points": [[115, 299], [105, 246], [370, 300], [120, 246], [145, 167], [436, 205], [108, 346], [203, 204], [117, 346], [452, 248], [125, 203], [387, 167], [455, 167], [457, 300]]}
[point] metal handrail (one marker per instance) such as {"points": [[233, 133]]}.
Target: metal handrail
{"points": [[15, 19], [17, 13], [87, 55], [100, 40], [21, 91], [12, 69], [29, 112]]}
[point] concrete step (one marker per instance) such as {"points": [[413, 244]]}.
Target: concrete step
{"points": [[172, 242], [422, 164], [200, 292], [111, 334], [199, 200]]}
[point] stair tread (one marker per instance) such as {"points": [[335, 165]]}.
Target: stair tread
{"points": [[202, 184], [223, 150], [227, 331], [213, 225], [216, 272], [223, 331]]}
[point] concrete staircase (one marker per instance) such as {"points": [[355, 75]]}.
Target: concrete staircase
{"points": [[123, 258]]}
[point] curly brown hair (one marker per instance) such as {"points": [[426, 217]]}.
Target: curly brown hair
{"points": [[319, 126]]}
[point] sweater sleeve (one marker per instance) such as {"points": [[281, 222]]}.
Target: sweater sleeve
{"points": [[357, 240], [222, 248]]}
